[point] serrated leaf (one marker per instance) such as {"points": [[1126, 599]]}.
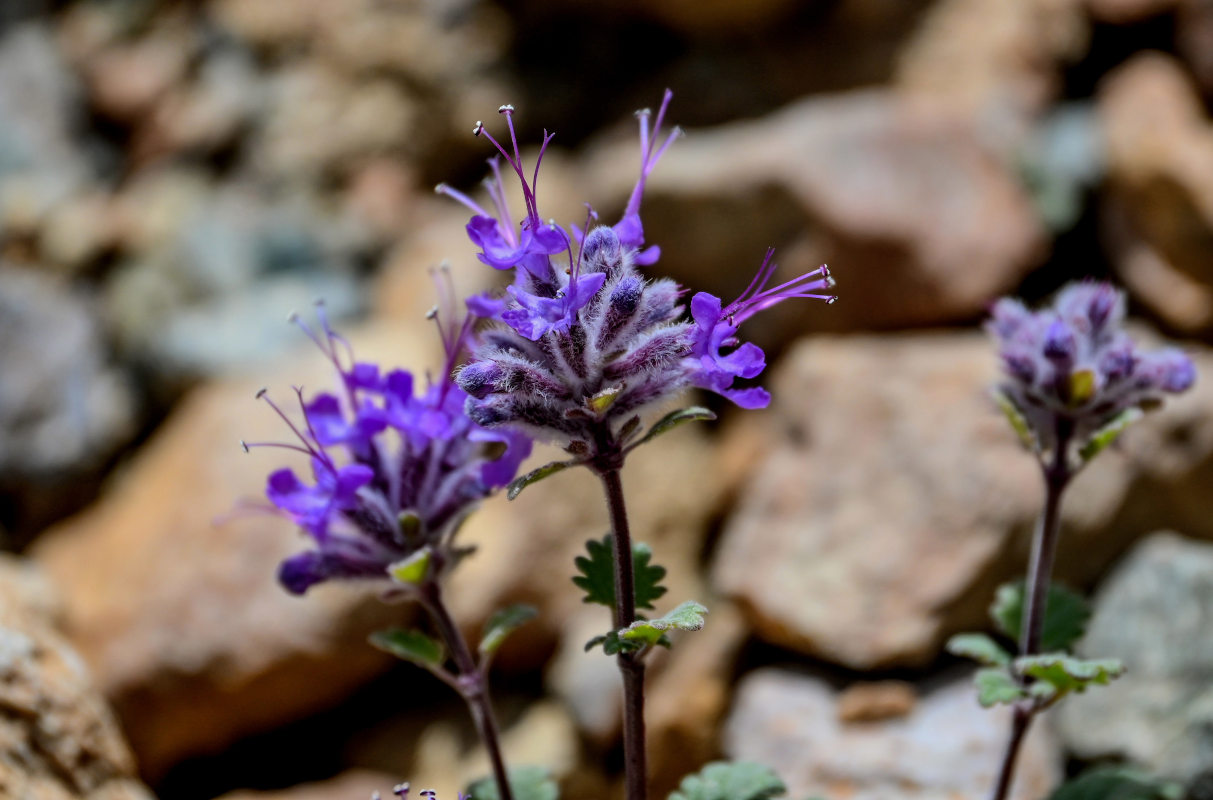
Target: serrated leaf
{"points": [[410, 645], [996, 685], [726, 780], [686, 617], [1019, 423], [1066, 615], [672, 420], [412, 570], [1109, 433], [1117, 783], [502, 624], [597, 576], [980, 648], [1068, 674], [526, 783], [516, 486]]}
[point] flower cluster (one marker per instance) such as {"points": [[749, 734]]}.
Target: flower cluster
{"points": [[395, 468], [1074, 364], [582, 339]]}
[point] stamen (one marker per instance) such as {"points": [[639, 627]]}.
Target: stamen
{"points": [[400, 790], [263, 395], [460, 197], [478, 128], [432, 313]]}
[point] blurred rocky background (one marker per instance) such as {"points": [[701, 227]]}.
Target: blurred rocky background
{"points": [[176, 177]]}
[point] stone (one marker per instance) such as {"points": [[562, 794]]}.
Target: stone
{"points": [[168, 582], [357, 784], [1155, 613], [58, 739], [1158, 210], [947, 747], [873, 702], [1194, 40], [891, 498], [126, 80], [1128, 12]]}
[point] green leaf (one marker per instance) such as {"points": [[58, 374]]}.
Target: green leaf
{"points": [[534, 476], [996, 685], [1066, 615], [1109, 433], [1117, 783], [672, 420], [526, 783], [1014, 416], [410, 645], [502, 624], [612, 644], [725, 780], [980, 648], [1066, 674], [412, 570], [597, 576], [686, 617]]}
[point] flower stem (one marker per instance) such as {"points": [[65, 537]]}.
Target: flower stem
{"points": [[1057, 474], [472, 683], [630, 666]]}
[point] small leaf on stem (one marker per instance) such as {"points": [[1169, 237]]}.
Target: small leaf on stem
{"points": [[502, 624], [1109, 433], [671, 421], [534, 476], [997, 685], [980, 648], [1066, 615], [726, 780], [412, 570], [1066, 674], [1117, 783], [597, 576], [1019, 422], [686, 617], [526, 783], [410, 645]]}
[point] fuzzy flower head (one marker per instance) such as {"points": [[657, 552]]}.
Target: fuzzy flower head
{"points": [[582, 339], [395, 466], [1072, 369]]}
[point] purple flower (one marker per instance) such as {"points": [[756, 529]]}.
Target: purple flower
{"points": [[394, 469], [1073, 366], [583, 341]]}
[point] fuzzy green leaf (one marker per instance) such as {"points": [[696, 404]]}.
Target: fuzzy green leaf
{"points": [[1066, 615], [526, 783], [1067, 674], [612, 644], [996, 685], [686, 617], [1117, 783], [980, 648], [597, 576], [672, 420], [726, 780], [1109, 433], [502, 624], [410, 645], [1019, 422], [534, 476]]}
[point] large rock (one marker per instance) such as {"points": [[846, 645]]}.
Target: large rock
{"points": [[1154, 613], [891, 497], [1159, 208], [58, 739], [947, 747]]}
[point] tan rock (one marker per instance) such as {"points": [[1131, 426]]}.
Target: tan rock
{"points": [[948, 747], [58, 739], [873, 702], [127, 80], [893, 498]]}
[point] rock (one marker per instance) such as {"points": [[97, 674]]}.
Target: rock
{"points": [[892, 498], [1159, 211], [170, 593], [78, 231], [58, 739], [352, 785], [1194, 40], [859, 181], [1127, 12], [126, 80], [873, 702], [1154, 613], [948, 746]]}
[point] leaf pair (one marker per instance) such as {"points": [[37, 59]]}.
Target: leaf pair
{"points": [[649, 632], [1052, 676], [425, 651]]}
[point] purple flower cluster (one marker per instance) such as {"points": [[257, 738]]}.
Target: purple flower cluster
{"points": [[1074, 364], [395, 467], [582, 339]]}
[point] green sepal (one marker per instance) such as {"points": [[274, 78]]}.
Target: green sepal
{"points": [[526, 783], [600, 402], [612, 644], [410, 645], [1109, 433], [1058, 674], [672, 420], [729, 780], [597, 578], [502, 623], [997, 685], [1117, 783], [1019, 423], [1066, 615], [516, 486], [686, 617], [1082, 386], [980, 648], [411, 570]]}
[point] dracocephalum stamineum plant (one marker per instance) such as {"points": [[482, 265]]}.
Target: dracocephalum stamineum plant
{"points": [[576, 350], [1073, 381]]}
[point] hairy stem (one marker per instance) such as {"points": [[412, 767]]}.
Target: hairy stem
{"points": [[473, 684], [630, 666], [1057, 474]]}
